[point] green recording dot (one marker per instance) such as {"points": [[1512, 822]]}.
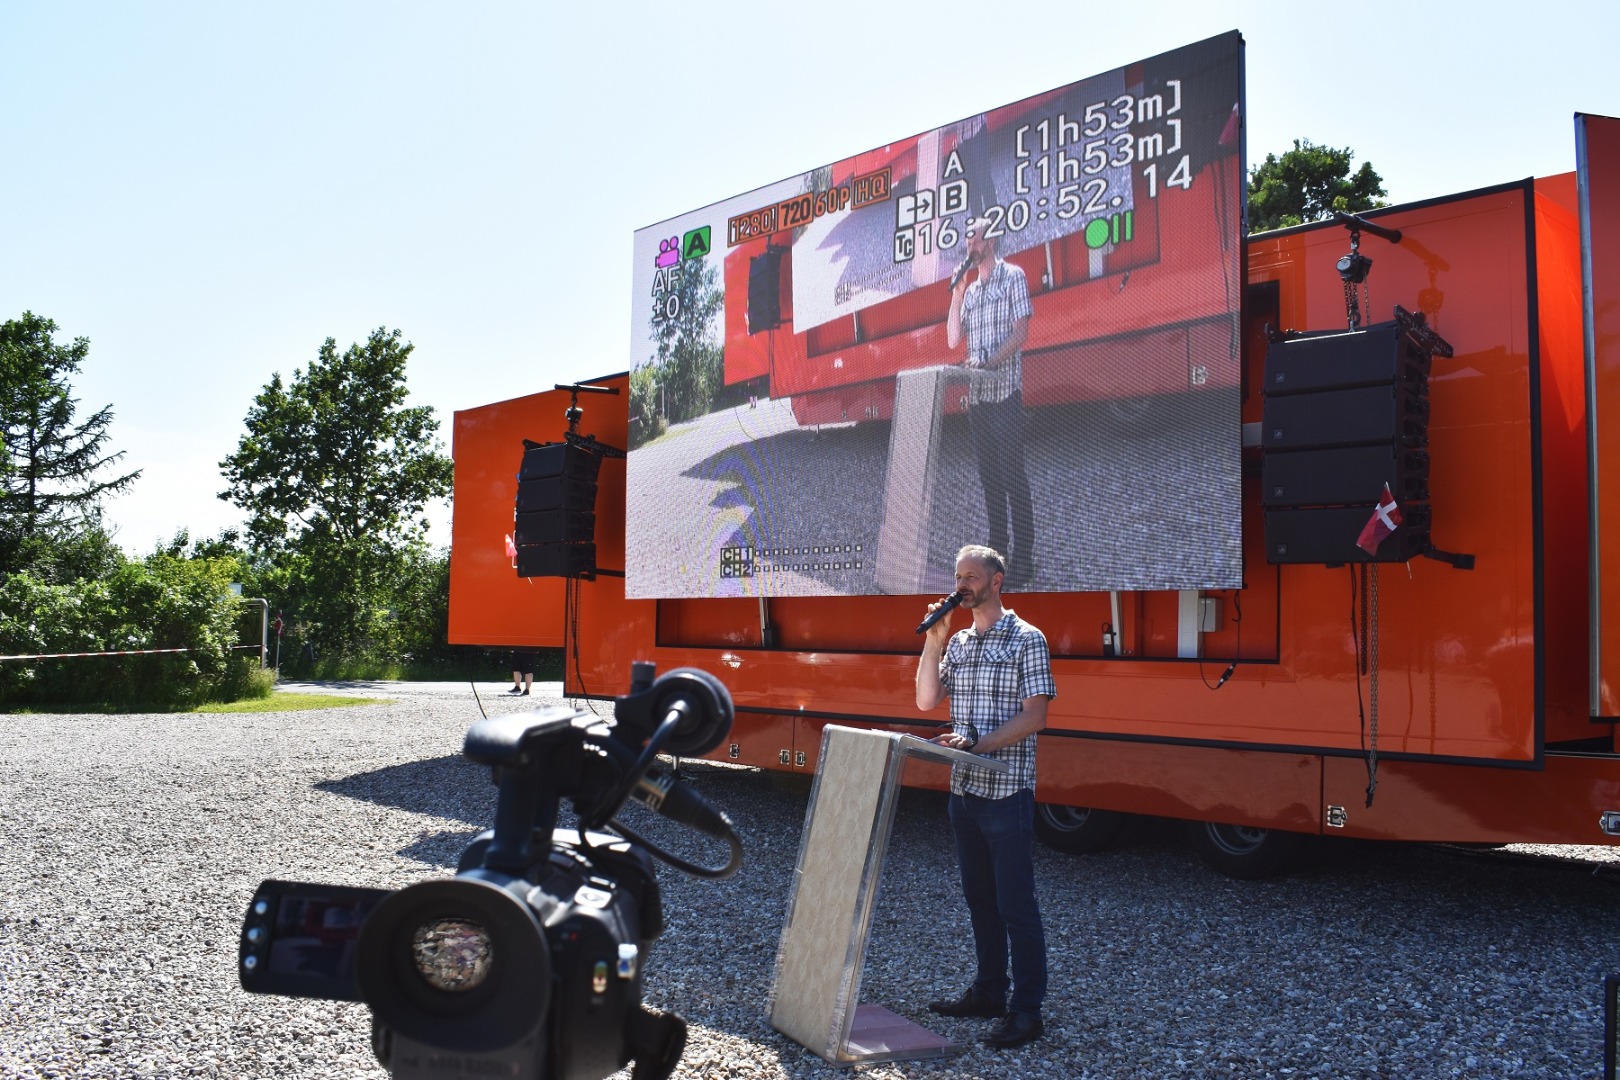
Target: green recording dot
{"points": [[1096, 233]]}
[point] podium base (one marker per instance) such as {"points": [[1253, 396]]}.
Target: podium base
{"points": [[876, 1034], [815, 999]]}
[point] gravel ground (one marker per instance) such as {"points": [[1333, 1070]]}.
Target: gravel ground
{"points": [[130, 845], [755, 478]]}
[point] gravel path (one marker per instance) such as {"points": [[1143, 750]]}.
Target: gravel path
{"points": [[755, 478], [129, 846]]}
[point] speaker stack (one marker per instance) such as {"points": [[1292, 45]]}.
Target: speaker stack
{"points": [[555, 527], [1344, 414], [765, 290]]}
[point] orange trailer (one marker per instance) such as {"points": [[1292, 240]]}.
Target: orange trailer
{"points": [[1404, 702]]}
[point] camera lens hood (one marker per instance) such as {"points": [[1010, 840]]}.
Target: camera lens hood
{"points": [[500, 1011]]}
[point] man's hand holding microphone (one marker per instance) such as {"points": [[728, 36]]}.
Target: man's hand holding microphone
{"points": [[937, 625]]}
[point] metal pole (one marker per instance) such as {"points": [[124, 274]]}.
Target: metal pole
{"points": [[264, 632]]}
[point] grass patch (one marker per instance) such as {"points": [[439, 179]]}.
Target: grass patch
{"points": [[287, 701]]}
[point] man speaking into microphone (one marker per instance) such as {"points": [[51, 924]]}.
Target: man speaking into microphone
{"points": [[993, 314], [998, 676]]}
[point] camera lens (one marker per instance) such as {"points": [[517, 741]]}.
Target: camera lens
{"points": [[452, 954]]}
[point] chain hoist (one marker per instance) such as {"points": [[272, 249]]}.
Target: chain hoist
{"points": [[1353, 270]]}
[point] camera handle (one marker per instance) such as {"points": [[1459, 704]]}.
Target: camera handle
{"points": [[527, 797]]}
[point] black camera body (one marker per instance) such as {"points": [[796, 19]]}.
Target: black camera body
{"points": [[528, 963]]}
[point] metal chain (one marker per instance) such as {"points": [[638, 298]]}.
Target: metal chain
{"points": [[1357, 304]]}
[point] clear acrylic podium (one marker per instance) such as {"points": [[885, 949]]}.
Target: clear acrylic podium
{"points": [[816, 994]]}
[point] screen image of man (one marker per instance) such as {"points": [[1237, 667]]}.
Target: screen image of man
{"points": [[992, 313], [997, 674]]}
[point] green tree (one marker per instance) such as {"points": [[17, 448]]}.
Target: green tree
{"points": [[1308, 183], [334, 473], [688, 358], [52, 465], [647, 422]]}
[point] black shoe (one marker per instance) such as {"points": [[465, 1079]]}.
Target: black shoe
{"points": [[525, 693], [1016, 1030], [971, 1003], [515, 690]]}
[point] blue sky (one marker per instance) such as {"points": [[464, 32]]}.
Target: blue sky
{"points": [[208, 191]]}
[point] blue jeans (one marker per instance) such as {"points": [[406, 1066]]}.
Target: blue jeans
{"points": [[994, 843]]}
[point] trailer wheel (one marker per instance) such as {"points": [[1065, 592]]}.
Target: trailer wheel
{"points": [[1244, 852], [1077, 829]]}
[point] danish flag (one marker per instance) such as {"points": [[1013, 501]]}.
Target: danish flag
{"points": [[1386, 518]]}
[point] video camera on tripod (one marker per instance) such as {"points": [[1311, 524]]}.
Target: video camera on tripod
{"points": [[528, 962]]}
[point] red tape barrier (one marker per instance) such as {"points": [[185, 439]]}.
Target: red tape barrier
{"points": [[124, 652]]}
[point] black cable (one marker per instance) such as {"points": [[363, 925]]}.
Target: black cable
{"points": [[733, 859], [571, 646], [1237, 621], [632, 776], [472, 681], [1360, 646]]}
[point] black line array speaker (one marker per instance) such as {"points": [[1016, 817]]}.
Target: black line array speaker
{"points": [[1343, 475], [765, 290], [1321, 534], [1392, 414], [554, 528], [1377, 356], [1344, 414], [557, 560]]}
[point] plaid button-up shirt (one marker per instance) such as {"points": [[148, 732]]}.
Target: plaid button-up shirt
{"points": [[990, 307], [988, 676]]}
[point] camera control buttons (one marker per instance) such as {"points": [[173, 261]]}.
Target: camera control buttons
{"points": [[592, 897]]}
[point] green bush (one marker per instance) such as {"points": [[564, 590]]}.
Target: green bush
{"points": [[161, 603]]}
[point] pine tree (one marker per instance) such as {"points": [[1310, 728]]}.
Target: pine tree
{"points": [[50, 463]]}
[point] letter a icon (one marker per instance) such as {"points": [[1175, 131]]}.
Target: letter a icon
{"points": [[696, 244]]}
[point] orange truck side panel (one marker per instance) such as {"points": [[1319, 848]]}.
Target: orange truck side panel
{"points": [[1479, 670], [1416, 800], [489, 603], [1599, 143]]}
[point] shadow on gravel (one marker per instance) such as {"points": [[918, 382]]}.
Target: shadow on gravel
{"points": [[796, 491], [349, 684], [444, 787], [440, 850]]}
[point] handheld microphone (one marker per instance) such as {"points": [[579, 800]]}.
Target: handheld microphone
{"points": [[967, 264], [940, 612]]}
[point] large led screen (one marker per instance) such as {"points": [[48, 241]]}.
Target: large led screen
{"points": [[1019, 329]]}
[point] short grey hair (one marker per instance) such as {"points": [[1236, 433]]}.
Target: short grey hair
{"points": [[988, 557], [981, 226]]}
